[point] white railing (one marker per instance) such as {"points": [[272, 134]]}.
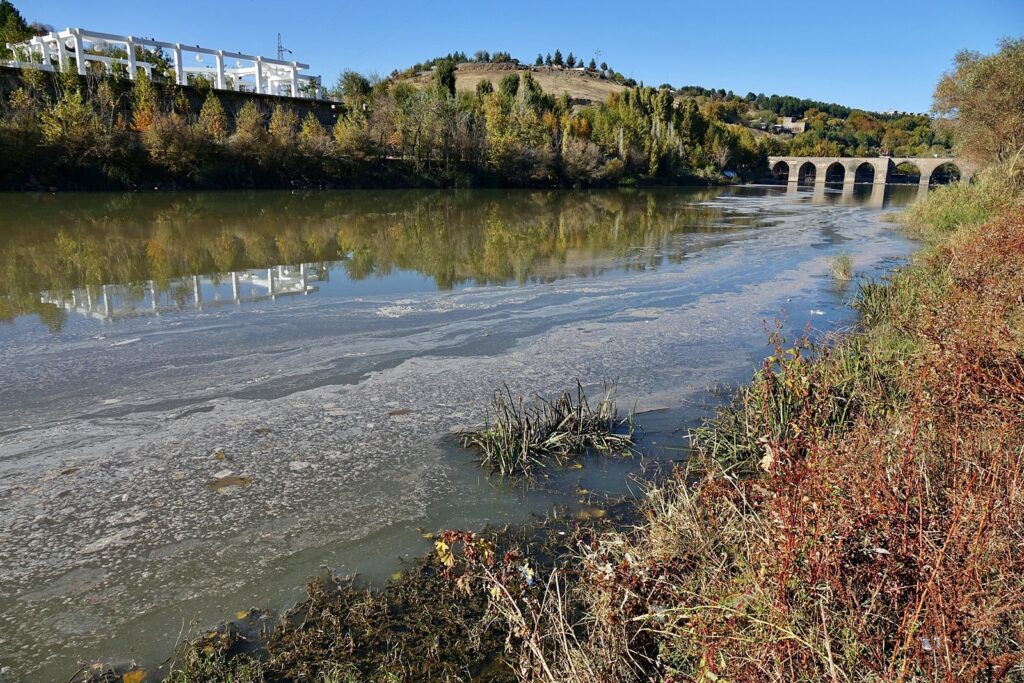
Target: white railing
{"points": [[76, 48]]}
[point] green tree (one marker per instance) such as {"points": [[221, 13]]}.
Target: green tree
{"points": [[539, 61], [557, 61], [13, 27], [352, 88], [509, 86], [250, 132], [444, 77], [604, 66], [547, 59], [284, 124], [483, 88], [212, 119], [984, 98], [593, 64], [570, 61]]}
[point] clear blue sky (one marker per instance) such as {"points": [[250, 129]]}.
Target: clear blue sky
{"points": [[872, 54]]}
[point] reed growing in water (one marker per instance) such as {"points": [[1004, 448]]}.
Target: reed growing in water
{"points": [[518, 437]]}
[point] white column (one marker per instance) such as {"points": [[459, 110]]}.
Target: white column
{"points": [[79, 51], [295, 79], [44, 51], [130, 47], [219, 57], [62, 54], [179, 68], [234, 286], [259, 74]]}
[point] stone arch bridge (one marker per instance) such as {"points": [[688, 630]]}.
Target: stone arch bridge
{"points": [[850, 170]]}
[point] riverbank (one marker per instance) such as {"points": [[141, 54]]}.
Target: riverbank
{"points": [[853, 514]]}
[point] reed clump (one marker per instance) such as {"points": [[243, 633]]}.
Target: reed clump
{"points": [[518, 437], [842, 267]]}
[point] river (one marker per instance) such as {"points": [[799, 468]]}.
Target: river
{"points": [[326, 345]]}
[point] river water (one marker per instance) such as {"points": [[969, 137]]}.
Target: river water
{"points": [[326, 345]]}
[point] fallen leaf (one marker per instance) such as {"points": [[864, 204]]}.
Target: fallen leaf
{"points": [[396, 576], [401, 411], [231, 480], [134, 676], [219, 455], [241, 615], [70, 470]]}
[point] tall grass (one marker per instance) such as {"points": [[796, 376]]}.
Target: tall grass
{"points": [[950, 207], [519, 437], [855, 514]]}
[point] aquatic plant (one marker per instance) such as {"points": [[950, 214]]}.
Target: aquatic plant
{"points": [[518, 437], [842, 267]]}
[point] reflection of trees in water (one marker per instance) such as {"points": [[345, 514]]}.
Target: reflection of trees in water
{"points": [[481, 237]]}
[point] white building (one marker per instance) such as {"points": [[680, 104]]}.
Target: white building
{"points": [[80, 50]]}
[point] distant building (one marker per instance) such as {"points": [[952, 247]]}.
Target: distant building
{"points": [[791, 125]]}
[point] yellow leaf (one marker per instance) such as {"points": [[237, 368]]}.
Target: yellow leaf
{"points": [[241, 615], [444, 553], [134, 676], [396, 576]]}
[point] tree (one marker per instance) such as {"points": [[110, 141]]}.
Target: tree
{"points": [[593, 64], [444, 77], [557, 61], [539, 61], [13, 27], [212, 119], [352, 88], [482, 56], [249, 130], [547, 60], [984, 99], [483, 88], [284, 124], [144, 102], [509, 86], [604, 66], [570, 61]]}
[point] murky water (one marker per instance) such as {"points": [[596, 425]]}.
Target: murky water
{"points": [[326, 345]]}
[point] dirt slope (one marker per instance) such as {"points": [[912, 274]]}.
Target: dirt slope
{"points": [[581, 87]]}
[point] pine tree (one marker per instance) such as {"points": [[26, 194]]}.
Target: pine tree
{"points": [[604, 66], [593, 64], [570, 61], [547, 60], [212, 119], [539, 61], [558, 58], [144, 102]]}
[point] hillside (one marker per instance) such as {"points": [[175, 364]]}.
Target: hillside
{"points": [[582, 87]]}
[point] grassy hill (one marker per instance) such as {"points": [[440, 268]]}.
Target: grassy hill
{"points": [[582, 87]]}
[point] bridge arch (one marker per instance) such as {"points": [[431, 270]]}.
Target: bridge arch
{"points": [[904, 173], [806, 173], [781, 171], [835, 173], [864, 173], [945, 173]]}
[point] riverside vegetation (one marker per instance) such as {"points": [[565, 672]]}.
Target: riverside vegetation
{"points": [[854, 514]]}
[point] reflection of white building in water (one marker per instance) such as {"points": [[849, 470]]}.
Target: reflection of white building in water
{"points": [[194, 292]]}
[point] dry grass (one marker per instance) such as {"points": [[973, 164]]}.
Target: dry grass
{"points": [[580, 87], [856, 515]]}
